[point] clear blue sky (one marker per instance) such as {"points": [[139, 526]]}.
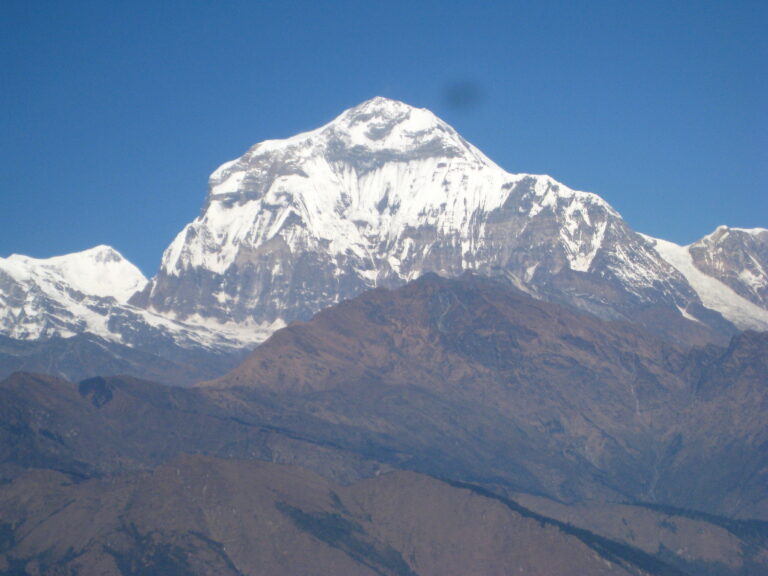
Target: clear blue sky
{"points": [[114, 113]]}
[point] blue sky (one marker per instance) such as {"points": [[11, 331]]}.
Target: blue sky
{"points": [[114, 113]]}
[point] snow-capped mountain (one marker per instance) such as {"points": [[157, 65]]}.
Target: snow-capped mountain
{"points": [[380, 195], [64, 295], [87, 293], [739, 258], [728, 269]]}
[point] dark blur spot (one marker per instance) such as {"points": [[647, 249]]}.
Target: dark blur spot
{"points": [[462, 95]]}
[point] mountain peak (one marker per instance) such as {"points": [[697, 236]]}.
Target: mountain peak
{"points": [[383, 110], [361, 140], [384, 124], [99, 271], [378, 196], [100, 253], [375, 131], [380, 106], [722, 231]]}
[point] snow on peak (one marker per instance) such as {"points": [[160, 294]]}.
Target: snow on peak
{"points": [[371, 134], [739, 258], [64, 295], [87, 292], [388, 124], [379, 106], [100, 271], [361, 182], [380, 110], [392, 130]]}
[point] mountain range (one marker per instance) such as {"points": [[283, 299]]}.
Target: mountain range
{"points": [[379, 196], [376, 352]]}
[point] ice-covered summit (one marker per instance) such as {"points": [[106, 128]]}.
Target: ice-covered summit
{"points": [[359, 185], [364, 138], [383, 126]]}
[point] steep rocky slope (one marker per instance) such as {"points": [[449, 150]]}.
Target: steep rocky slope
{"points": [[739, 258]]}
